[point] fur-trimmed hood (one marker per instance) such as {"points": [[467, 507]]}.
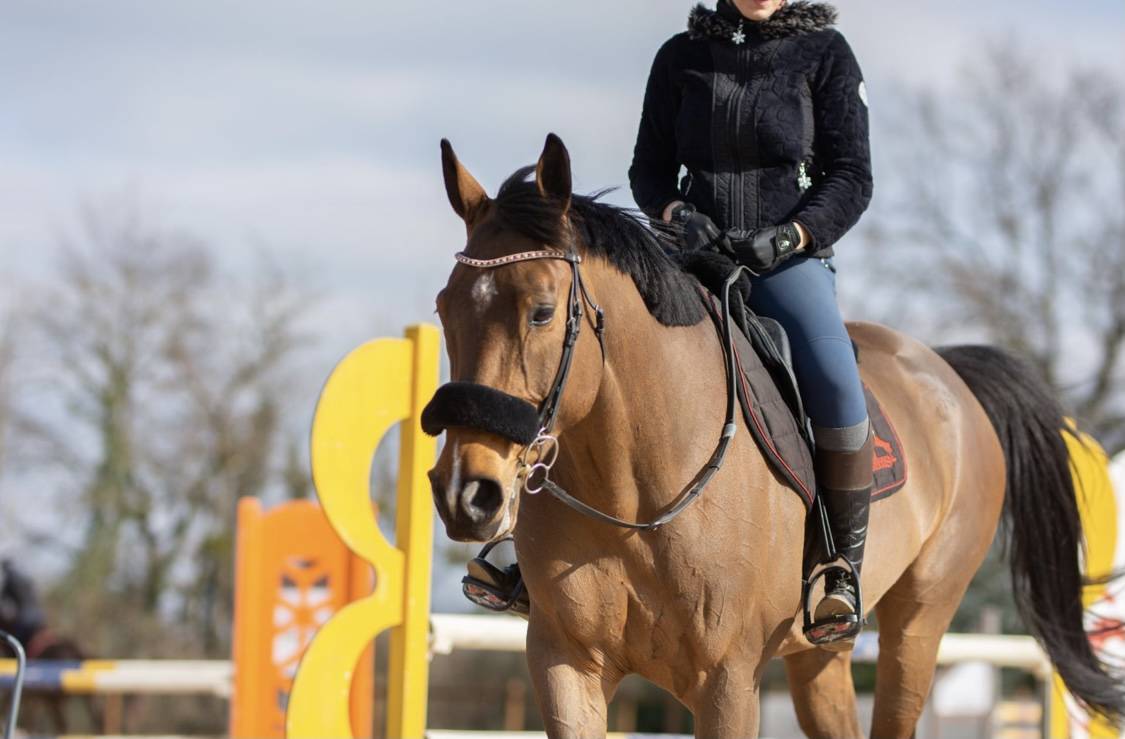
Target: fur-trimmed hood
{"points": [[792, 19]]}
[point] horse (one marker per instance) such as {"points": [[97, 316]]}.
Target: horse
{"points": [[45, 709], [706, 587]]}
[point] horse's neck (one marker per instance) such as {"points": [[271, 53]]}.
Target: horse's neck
{"points": [[658, 413]]}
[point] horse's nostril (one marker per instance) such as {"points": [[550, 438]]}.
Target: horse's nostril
{"points": [[481, 498], [436, 485]]}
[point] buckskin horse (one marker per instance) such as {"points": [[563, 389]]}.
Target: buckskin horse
{"points": [[707, 588]]}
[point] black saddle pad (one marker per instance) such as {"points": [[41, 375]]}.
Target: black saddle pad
{"points": [[770, 400], [889, 465], [768, 416]]}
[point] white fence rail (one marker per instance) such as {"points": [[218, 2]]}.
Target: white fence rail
{"points": [[448, 633]]}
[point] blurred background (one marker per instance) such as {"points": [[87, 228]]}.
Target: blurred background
{"points": [[203, 206]]}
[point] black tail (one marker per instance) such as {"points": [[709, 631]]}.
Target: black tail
{"points": [[1041, 520]]}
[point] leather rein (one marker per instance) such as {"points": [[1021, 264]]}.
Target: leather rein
{"points": [[546, 443]]}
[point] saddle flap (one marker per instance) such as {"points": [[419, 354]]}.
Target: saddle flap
{"points": [[768, 415], [779, 337], [776, 419]]}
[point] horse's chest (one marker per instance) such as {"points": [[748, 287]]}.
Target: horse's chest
{"points": [[643, 615]]}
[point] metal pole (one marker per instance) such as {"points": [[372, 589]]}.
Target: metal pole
{"points": [[17, 685]]}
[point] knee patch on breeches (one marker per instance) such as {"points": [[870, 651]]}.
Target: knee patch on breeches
{"points": [[843, 439]]}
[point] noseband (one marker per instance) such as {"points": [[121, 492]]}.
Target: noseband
{"points": [[488, 409]]}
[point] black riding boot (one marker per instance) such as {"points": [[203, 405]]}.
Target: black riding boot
{"points": [[844, 479]]}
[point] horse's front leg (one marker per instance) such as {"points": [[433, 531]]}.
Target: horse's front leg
{"points": [[573, 685], [726, 704]]}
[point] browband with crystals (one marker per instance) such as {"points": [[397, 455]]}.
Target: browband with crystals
{"points": [[523, 256]]}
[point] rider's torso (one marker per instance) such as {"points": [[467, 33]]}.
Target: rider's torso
{"points": [[744, 126]]}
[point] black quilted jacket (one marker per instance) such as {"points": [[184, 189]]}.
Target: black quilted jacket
{"points": [[769, 130]]}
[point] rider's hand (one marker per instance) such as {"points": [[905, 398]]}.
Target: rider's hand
{"points": [[764, 249], [700, 232]]}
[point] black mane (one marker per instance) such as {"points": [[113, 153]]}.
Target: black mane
{"points": [[618, 235]]}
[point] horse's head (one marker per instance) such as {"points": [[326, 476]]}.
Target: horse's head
{"points": [[505, 327]]}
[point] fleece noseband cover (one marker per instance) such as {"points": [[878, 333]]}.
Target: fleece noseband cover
{"points": [[469, 405]]}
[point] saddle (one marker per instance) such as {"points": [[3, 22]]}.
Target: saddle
{"points": [[769, 394]]}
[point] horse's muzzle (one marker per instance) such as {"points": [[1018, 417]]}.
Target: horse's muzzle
{"points": [[471, 509]]}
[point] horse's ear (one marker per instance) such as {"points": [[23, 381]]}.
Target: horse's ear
{"points": [[465, 193], [552, 173]]}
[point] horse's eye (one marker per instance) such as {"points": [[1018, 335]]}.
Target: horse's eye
{"points": [[542, 315]]}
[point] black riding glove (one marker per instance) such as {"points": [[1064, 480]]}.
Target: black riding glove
{"points": [[700, 232], [764, 249]]}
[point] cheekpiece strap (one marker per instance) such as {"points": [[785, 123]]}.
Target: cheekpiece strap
{"points": [[523, 256]]}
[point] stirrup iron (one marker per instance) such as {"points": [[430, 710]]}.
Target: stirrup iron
{"points": [[838, 627], [495, 590]]}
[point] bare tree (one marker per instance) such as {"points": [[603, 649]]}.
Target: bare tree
{"points": [[25, 440], [175, 383], [1006, 222], [7, 409], [10, 420]]}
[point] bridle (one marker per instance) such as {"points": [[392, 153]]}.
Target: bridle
{"points": [[579, 295], [545, 445]]}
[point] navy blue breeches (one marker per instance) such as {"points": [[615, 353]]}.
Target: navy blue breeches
{"points": [[801, 295]]}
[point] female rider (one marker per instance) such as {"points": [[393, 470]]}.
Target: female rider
{"points": [[763, 104]]}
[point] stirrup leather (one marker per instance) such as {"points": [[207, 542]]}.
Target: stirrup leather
{"points": [[495, 589], [840, 626]]}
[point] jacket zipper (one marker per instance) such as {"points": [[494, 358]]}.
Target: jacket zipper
{"points": [[743, 59], [736, 142]]}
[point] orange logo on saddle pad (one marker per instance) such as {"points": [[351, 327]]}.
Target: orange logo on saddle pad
{"points": [[884, 458]]}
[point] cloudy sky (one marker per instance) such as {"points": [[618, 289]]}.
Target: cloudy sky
{"points": [[310, 129]]}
